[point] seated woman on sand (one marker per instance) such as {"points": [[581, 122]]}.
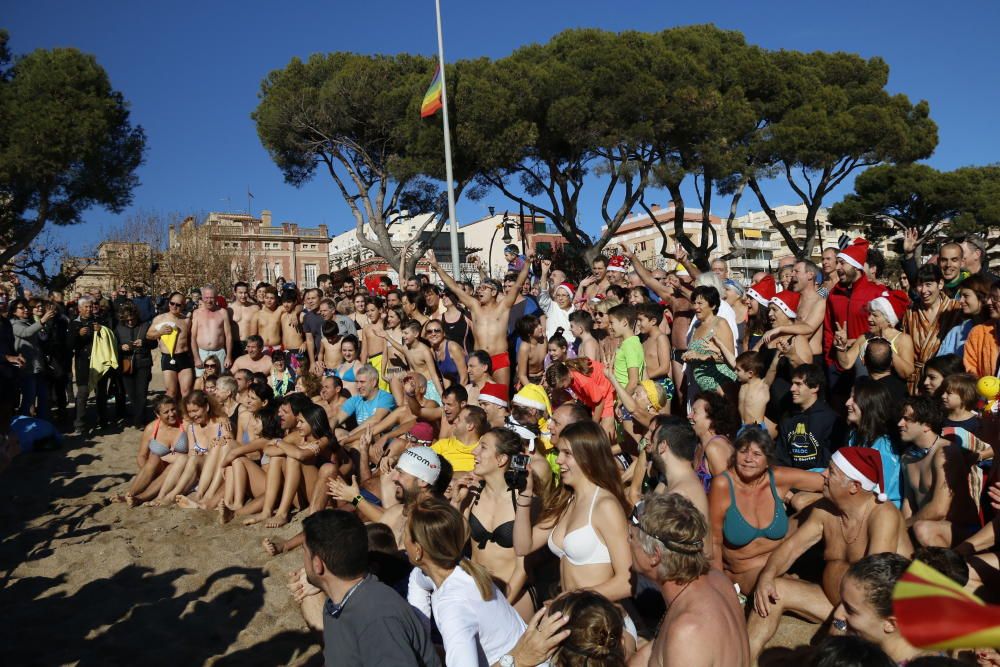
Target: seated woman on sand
{"points": [[292, 470], [164, 442], [256, 427], [747, 507], [209, 437]]}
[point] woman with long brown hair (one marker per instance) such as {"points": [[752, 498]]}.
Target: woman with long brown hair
{"points": [[209, 437], [470, 612], [583, 520]]}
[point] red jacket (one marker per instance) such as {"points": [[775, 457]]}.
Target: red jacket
{"points": [[847, 304]]}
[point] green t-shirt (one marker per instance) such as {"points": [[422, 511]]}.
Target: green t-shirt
{"points": [[630, 355]]}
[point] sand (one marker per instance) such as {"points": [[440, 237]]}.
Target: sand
{"points": [[90, 583]]}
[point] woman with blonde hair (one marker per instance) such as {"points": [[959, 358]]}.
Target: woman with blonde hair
{"points": [[583, 520], [472, 615]]}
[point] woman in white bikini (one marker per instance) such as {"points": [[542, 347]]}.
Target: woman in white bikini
{"points": [[584, 520]]}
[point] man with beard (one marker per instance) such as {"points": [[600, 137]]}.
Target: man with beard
{"points": [[420, 473], [848, 302], [671, 449], [364, 622]]}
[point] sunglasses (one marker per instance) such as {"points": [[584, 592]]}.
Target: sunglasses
{"points": [[435, 331], [211, 365], [176, 303]]}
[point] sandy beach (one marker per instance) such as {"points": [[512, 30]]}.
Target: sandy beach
{"points": [[90, 583]]}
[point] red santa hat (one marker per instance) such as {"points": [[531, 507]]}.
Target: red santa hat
{"points": [[787, 301], [855, 254], [494, 393], [568, 287], [763, 291], [617, 264], [864, 466], [892, 304]]}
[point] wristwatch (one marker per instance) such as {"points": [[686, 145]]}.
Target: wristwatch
{"points": [[506, 661], [357, 499]]}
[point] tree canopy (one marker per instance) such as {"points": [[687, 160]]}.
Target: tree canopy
{"points": [[66, 143]]}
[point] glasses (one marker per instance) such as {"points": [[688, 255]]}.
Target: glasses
{"points": [[176, 303], [435, 331], [211, 365]]}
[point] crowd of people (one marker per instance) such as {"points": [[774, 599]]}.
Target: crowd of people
{"points": [[633, 466]]}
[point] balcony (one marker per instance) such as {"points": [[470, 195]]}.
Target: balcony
{"points": [[757, 245]]}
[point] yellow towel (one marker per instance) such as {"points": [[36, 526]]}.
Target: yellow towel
{"points": [[103, 355]]}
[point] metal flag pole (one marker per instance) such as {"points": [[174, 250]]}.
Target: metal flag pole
{"points": [[452, 221]]}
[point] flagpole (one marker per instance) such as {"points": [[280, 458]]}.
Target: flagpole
{"points": [[452, 221]]}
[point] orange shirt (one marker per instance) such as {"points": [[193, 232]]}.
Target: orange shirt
{"points": [[981, 350]]}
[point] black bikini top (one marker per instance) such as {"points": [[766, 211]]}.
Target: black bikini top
{"points": [[502, 535]]}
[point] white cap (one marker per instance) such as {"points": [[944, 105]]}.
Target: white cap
{"points": [[421, 462]]}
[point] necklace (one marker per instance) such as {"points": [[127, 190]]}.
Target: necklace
{"points": [[843, 526]]}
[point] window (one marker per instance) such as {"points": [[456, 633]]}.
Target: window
{"points": [[272, 245], [310, 246], [310, 277], [231, 245]]}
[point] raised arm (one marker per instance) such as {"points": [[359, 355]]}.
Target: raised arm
{"points": [[647, 277], [508, 299], [467, 300]]}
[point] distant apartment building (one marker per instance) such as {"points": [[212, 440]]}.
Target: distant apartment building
{"points": [[642, 234], [264, 251]]}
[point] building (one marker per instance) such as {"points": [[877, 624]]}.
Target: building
{"points": [[110, 267], [264, 251], [640, 234], [532, 235]]}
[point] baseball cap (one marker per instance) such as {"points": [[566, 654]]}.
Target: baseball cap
{"points": [[421, 462], [422, 432]]}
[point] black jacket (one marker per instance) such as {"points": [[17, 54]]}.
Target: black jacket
{"points": [[81, 346], [141, 356], [807, 439]]}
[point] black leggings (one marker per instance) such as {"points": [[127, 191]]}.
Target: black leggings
{"points": [[136, 388]]}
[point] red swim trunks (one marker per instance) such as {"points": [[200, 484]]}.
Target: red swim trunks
{"points": [[271, 349], [500, 361]]}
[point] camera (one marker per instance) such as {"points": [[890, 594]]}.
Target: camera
{"points": [[517, 474]]}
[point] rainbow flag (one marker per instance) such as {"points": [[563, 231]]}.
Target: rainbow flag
{"points": [[935, 612], [432, 98]]}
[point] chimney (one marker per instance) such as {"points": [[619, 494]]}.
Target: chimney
{"points": [[265, 218]]}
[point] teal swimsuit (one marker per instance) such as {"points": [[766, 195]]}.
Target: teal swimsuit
{"points": [[738, 532]]}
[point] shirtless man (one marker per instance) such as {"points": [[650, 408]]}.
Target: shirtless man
{"points": [[489, 314], [810, 312], [418, 475], [596, 283], [244, 316], [254, 360], [177, 364], [937, 503], [211, 334], [479, 367], [267, 323], [413, 405], [829, 261], [293, 340], [671, 450], [853, 520], [373, 339], [668, 534]]}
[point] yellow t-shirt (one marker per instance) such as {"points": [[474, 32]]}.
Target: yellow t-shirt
{"points": [[459, 454]]}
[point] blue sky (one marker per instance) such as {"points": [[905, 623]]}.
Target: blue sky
{"points": [[191, 71]]}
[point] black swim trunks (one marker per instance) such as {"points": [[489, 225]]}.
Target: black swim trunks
{"points": [[177, 362]]}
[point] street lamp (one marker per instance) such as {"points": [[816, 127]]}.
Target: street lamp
{"points": [[505, 224]]}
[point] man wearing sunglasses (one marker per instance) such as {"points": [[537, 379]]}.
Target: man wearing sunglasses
{"points": [[667, 537], [176, 360]]}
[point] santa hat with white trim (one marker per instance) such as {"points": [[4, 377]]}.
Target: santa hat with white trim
{"points": [[495, 393], [892, 304], [855, 254], [864, 466], [787, 301], [568, 287], [617, 264], [762, 292]]}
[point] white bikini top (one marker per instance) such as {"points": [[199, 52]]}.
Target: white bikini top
{"points": [[582, 546]]}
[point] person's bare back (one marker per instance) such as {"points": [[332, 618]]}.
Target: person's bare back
{"points": [[684, 638], [291, 330], [754, 396]]}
